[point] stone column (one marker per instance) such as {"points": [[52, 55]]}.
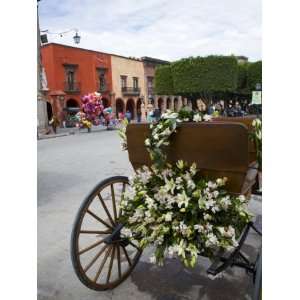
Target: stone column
{"points": [[180, 103], [143, 111], [155, 104], [172, 103]]}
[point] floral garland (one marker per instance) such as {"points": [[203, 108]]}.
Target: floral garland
{"points": [[176, 210]]}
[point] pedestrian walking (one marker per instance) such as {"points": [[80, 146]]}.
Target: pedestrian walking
{"points": [[54, 123], [128, 116]]}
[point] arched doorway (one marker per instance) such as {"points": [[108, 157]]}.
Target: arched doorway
{"points": [[72, 103], [175, 104], [139, 109], [160, 104], [169, 103], [105, 102], [119, 107], [71, 109], [130, 107], [49, 111]]}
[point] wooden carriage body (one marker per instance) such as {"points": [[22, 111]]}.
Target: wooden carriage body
{"points": [[219, 148]]}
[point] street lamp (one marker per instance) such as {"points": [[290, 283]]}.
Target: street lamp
{"points": [[76, 38]]}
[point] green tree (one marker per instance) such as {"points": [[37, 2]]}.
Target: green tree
{"points": [[163, 80], [254, 74], [242, 84]]}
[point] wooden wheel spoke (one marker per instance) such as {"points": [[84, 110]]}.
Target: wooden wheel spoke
{"points": [[127, 257], [90, 247], [95, 258], [123, 191], [110, 264], [119, 261], [95, 231], [99, 219], [113, 200], [106, 210], [102, 264]]}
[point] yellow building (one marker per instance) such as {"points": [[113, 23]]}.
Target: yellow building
{"points": [[128, 85]]}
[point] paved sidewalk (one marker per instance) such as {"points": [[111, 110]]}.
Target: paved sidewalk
{"points": [[70, 131]]}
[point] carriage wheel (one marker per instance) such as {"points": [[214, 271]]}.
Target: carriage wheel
{"points": [[101, 257]]}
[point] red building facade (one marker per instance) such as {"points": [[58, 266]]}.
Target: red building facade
{"points": [[73, 72]]}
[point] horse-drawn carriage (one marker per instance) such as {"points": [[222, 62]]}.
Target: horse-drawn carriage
{"points": [[102, 258]]}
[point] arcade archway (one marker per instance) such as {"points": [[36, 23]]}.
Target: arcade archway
{"points": [[130, 107], [49, 111], [160, 104], [119, 106], [105, 102]]}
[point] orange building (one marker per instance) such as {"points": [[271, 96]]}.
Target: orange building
{"points": [[73, 72]]}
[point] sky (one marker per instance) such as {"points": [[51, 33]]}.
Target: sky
{"points": [[164, 29]]}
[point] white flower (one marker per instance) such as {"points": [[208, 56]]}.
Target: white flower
{"points": [[147, 213], [178, 180], [207, 118], [172, 250], [258, 134], [130, 193], [221, 181], [126, 232], [215, 194], [147, 142], [197, 118], [212, 185], [166, 132], [193, 169], [225, 202], [191, 184], [210, 203], [242, 198], [182, 199], [199, 228], [207, 217], [256, 122], [230, 232], [212, 240], [168, 217], [221, 230], [150, 202], [169, 115], [152, 259], [215, 208], [180, 164]]}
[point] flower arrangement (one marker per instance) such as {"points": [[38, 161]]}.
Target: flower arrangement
{"points": [[181, 213], [175, 209], [256, 137]]}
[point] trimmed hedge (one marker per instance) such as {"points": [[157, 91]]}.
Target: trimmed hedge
{"points": [[254, 74], [163, 80], [205, 74], [242, 84]]}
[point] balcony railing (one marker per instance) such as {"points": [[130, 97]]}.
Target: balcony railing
{"points": [[102, 88], [133, 91], [72, 87]]}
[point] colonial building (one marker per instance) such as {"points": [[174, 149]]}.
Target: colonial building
{"points": [[73, 72], [128, 83]]}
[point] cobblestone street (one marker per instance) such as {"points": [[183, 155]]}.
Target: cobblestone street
{"points": [[68, 168]]}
